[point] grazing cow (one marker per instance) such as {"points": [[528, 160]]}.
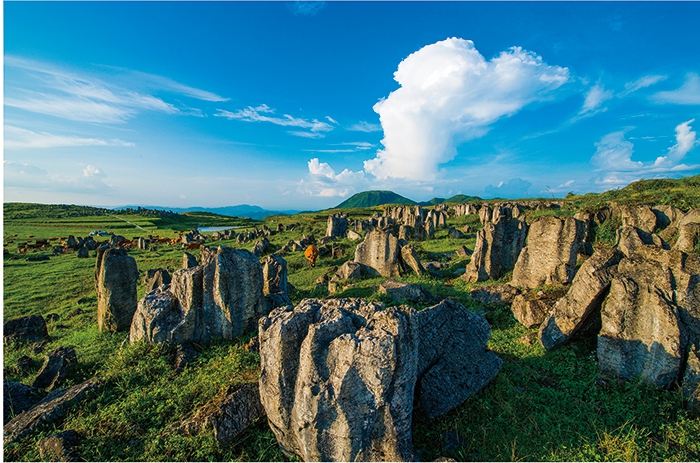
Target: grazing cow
{"points": [[311, 255], [123, 244], [194, 245]]}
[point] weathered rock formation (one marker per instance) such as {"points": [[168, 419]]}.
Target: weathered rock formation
{"points": [[25, 329], [116, 276], [495, 294], [57, 365], [49, 410], [453, 359], [379, 251], [222, 298], [157, 277], [338, 376], [189, 261], [274, 270], [405, 292], [498, 246], [228, 417], [348, 271], [531, 309], [550, 255], [688, 237], [581, 304], [629, 239], [337, 226], [410, 259], [643, 333], [18, 398], [641, 217]]}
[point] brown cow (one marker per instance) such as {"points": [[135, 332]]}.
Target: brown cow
{"points": [[311, 255], [194, 245]]}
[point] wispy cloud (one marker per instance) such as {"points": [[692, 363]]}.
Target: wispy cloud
{"points": [[167, 84], [26, 176], [356, 147], [515, 188], [594, 99], [97, 97], [18, 138], [643, 82], [687, 94], [364, 126], [450, 93], [264, 113], [306, 8]]}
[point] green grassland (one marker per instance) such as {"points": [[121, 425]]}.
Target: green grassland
{"points": [[545, 406]]}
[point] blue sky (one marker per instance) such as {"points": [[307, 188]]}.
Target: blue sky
{"points": [[300, 105]]}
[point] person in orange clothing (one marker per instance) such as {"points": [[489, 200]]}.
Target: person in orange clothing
{"points": [[311, 254]]}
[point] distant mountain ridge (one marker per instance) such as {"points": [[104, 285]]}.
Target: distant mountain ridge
{"points": [[374, 198], [241, 210]]}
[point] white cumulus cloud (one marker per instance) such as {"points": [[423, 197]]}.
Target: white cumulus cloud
{"points": [[686, 140], [92, 171], [450, 93], [613, 157], [323, 181], [614, 153]]}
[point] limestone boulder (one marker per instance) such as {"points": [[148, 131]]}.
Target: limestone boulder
{"points": [[189, 261], [642, 333], [410, 259], [353, 235], [581, 304], [532, 308], [155, 278], [551, 252], [25, 329], [338, 379], [498, 246], [629, 239], [380, 252], [688, 237], [49, 410], [18, 398], [274, 270], [117, 276], [402, 292], [261, 246], [495, 294], [454, 361], [57, 365], [222, 298], [227, 417], [337, 226], [691, 378], [348, 271], [641, 217]]}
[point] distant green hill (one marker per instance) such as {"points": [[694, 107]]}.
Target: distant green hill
{"points": [[453, 199], [373, 198], [683, 193]]}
